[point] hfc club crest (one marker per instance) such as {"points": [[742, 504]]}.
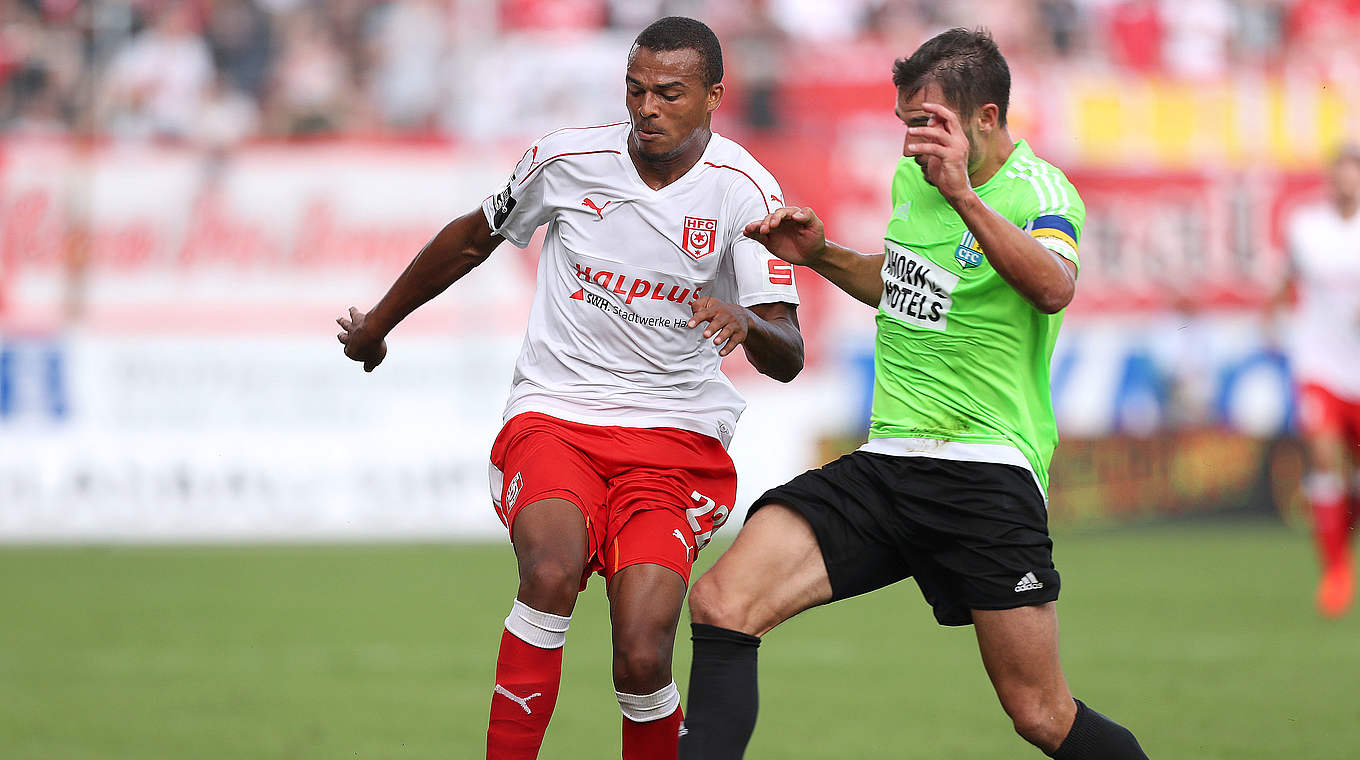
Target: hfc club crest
{"points": [[699, 236]]}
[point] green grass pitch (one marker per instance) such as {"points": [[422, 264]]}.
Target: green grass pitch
{"points": [[1201, 638]]}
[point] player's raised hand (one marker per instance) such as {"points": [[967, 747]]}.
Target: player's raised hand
{"points": [[728, 324], [360, 343], [944, 144], [795, 235]]}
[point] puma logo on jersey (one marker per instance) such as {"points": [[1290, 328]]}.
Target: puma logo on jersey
{"points": [[521, 702], [599, 210], [681, 537]]}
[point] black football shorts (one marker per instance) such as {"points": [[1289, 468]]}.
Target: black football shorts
{"points": [[973, 534]]}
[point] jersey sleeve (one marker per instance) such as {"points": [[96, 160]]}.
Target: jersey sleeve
{"points": [[1058, 216], [519, 208], [761, 277]]}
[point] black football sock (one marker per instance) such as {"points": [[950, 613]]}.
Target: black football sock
{"points": [[1096, 737], [723, 696]]}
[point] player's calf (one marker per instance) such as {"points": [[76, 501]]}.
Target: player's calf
{"points": [[644, 608], [528, 673]]}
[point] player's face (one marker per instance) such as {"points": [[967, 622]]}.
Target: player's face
{"points": [[1346, 178], [911, 113], [668, 104]]}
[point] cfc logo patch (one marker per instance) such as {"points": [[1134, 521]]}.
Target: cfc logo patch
{"points": [[700, 235], [969, 253]]}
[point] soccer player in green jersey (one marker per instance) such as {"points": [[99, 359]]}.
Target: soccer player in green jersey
{"points": [[979, 261]]}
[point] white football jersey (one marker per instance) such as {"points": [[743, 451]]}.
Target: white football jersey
{"points": [[1326, 258], [608, 341]]}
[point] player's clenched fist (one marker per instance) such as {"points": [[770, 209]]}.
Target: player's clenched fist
{"points": [[795, 235], [727, 323], [361, 344]]}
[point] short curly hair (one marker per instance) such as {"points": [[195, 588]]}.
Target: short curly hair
{"points": [[680, 33], [966, 64]]}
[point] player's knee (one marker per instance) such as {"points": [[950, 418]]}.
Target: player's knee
{"points": [[711, 604], [550, 583], [641, 665], [1039, 721]]}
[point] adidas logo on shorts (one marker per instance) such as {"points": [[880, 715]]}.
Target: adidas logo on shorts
{"points": [[1028, 583]]}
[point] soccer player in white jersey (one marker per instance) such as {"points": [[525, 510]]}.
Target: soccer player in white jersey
{"points": [[1324, 248], [613, 454]]}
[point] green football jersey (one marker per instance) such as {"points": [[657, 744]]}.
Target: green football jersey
{"points": [[961, 360]]}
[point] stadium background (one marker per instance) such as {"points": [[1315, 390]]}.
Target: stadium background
{"points": [[190, 192]]}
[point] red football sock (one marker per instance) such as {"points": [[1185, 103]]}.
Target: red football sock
{"points": [[528, 671], [1331, 526], [651, 724]]}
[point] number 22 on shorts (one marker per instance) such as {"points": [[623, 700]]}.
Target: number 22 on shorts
{"points": [[706, 506]]}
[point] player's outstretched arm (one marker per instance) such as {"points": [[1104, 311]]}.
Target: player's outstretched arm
{"points": [[767, 332], [463, 244], [797, 236]]}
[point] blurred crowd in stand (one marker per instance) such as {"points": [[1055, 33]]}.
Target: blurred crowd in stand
{"points": [[214, 72]]}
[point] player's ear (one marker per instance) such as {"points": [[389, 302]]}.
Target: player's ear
{"points": [[988, 118], [715, 96]]}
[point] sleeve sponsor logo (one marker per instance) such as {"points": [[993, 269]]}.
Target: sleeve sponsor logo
{"points": [[916, 290], [700, 235], [781, 272], [502, 205]]}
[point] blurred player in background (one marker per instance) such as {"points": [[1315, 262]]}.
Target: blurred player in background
{"points": [[1324, 251], [980, 260], [613, 454]]}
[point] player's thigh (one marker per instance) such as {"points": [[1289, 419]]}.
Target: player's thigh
{"points": [[552, 547], [1323, 419], [1019, 646], [773, 571], [1019, 650], [548, 495], [815, 539]]}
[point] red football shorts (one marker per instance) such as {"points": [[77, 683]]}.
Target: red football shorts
{"points": [[1323, 412], [648, 495]]}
